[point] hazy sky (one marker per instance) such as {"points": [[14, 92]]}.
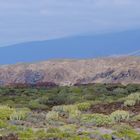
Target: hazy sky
{"points": [[27, 20]]}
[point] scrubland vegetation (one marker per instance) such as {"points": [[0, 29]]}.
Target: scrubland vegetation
{"points": [[88, 112]]}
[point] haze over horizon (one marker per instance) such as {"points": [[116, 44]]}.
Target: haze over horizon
{"points": [[77, 47], [32, 30], [32, 20]]}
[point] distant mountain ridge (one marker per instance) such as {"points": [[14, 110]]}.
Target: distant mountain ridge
{"points": [[90, 46], [72, 72]]}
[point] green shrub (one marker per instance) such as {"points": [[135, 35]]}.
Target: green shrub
{"points": [[122, 126], [96, 119], [75, 114], [127, 133], [9, 103], [107, 137], [41, 134], [134, 96], [20, 114], [51, 136], [52, 115], [14, 128], [69, 128], [79, 138], [120, 115], [3, 124], [35, 105], [131, 88], [136, 118], [5, 112], [120, 91], [27, 134], [71, 111], [132, 99], [65, 108], [129, 103], [84, 106], [43, 100], [53, 130]]}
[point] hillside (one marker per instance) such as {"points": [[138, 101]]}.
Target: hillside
{"points": [[71, 72]]}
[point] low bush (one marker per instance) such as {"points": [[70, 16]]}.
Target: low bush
{"points": [[5, 112], [20, 114], [9, 103], [53, 130], [52, 115], [119, 116], [121, 126], [107, 137], [69, 128], [41, 134], [132, 99], [129, 103], [43, 100], [35, 105], [127, 133], [120, 91], [65, 108], [27, 134], [136, 118], [84, 106], [96, 119], [3, 124], [69, 111]]}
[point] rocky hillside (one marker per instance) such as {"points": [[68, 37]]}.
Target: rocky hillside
{"points": [[71, 72]]}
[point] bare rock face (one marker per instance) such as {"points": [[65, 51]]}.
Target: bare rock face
{"points": [[72, 72]]}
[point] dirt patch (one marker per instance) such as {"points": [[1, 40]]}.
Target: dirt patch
{"points": [[106, 108], [109, 108]]}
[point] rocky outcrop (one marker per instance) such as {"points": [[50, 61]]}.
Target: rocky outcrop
{"points": [[72, 72]]}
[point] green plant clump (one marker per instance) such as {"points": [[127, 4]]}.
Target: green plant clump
{"points": [[69, 111], [132, 99], [5, 112], [129, 103], [120, 115], [84, 106], [20, 114], [136, 118], [3, 124], [127, 133], [96, 119]]}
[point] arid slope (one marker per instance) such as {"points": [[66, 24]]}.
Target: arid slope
{"points": [[70, 72]]}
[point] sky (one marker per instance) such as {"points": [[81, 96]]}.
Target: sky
{"points": [[29, 20]]}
